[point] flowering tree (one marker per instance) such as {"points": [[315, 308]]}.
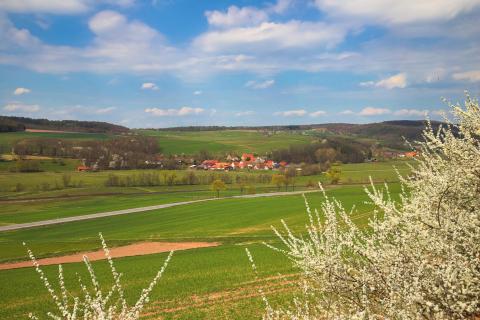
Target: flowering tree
{"points": [[96, 305], [420, 256]]}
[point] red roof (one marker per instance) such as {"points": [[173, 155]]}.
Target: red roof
{"points": [[249, 156]]}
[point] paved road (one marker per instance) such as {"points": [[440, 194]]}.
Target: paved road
{"points": [[135, 210]]}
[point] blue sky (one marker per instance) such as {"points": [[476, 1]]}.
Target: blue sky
{"points": [[164, 63]]}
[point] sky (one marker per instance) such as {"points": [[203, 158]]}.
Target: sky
{"points": [[164, 63]]}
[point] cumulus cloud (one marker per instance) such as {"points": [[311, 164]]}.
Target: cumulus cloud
{"points": [[260, 84], [235, 16], [244, 113], [317, 113], [371, 111], [20, 107], [396, 81], [397, 12], [57, 6], [149, 86], [472, 76], [19, 91], [291, 113], [271, 36], [183, 111]]}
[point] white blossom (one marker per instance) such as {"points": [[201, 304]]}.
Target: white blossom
{"points": [[95, 305], [419, 257]]}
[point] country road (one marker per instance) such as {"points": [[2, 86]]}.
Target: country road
{"points": [[139, 209]]}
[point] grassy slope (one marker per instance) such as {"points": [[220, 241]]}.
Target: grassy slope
{"points": [[238, 141], [9, 138], [195, 272]]}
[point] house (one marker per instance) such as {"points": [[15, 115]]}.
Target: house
{"points": [[221, 166], [411, 154], [207, 164], [248, 157], [83, 168]]}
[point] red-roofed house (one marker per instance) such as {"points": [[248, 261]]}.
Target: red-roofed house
{"points": [[248, 157], [83, 168]]}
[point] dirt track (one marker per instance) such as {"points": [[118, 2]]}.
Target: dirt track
{"points": [[136, 249], [140, 209]]}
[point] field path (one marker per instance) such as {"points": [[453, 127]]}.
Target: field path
{"points": [[140, 209]]}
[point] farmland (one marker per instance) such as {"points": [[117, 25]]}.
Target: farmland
{"points": [[201, 272], [178, 142], [215, 282]]}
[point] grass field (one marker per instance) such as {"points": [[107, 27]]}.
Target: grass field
{"points": [[7, 139], [225, 141], [196, 279], [94, 197], [209, 283]]}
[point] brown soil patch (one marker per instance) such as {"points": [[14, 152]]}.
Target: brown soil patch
{"points": [[46, 130], [136, 249]]}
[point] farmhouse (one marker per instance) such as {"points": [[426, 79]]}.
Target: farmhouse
{"points": [[83, 168]]}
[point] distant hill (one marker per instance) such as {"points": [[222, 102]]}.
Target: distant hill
{"points": [[391, 132], [11, 124]]}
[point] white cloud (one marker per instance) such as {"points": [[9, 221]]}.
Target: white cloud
{"points": [[318, 113], [260, 84], [472, 76], [183, 111], [105, 110], [281, 6], [347, 112], [397, 12], [19, 91], [149, 86], [57, 6], [236, 16], [371, 111], [20, 107], [271, 36], [197, 92], [244, 113], [411, 112], [396, 81], [291, 113]]}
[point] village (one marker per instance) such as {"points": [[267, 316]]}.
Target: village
{"points": [[246, 161]]}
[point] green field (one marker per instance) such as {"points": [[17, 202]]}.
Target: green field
{"points": [[225, 141], [7, 139], [94, 196], [209, 283], [194, 275]]}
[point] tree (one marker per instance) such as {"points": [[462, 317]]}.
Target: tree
{"points": [[278, 180], [333, 174], [66, 179], [217, 186], [419, 258]]}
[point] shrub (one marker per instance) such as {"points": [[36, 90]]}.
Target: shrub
{"points": [[95, 305], [419, 258]]}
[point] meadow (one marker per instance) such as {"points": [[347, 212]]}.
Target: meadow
{"points": [[224, 141], [7, 139], [194, 275], [206, 283]]}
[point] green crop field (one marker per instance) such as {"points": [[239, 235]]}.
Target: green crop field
{"points": [[204, 283], [198, 282], [7, 139], [224, 141]]}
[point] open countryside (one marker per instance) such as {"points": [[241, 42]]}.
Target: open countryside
{"points": [[239, 159]]}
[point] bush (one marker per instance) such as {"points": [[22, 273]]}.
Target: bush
{"points": [[419, 259]]}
